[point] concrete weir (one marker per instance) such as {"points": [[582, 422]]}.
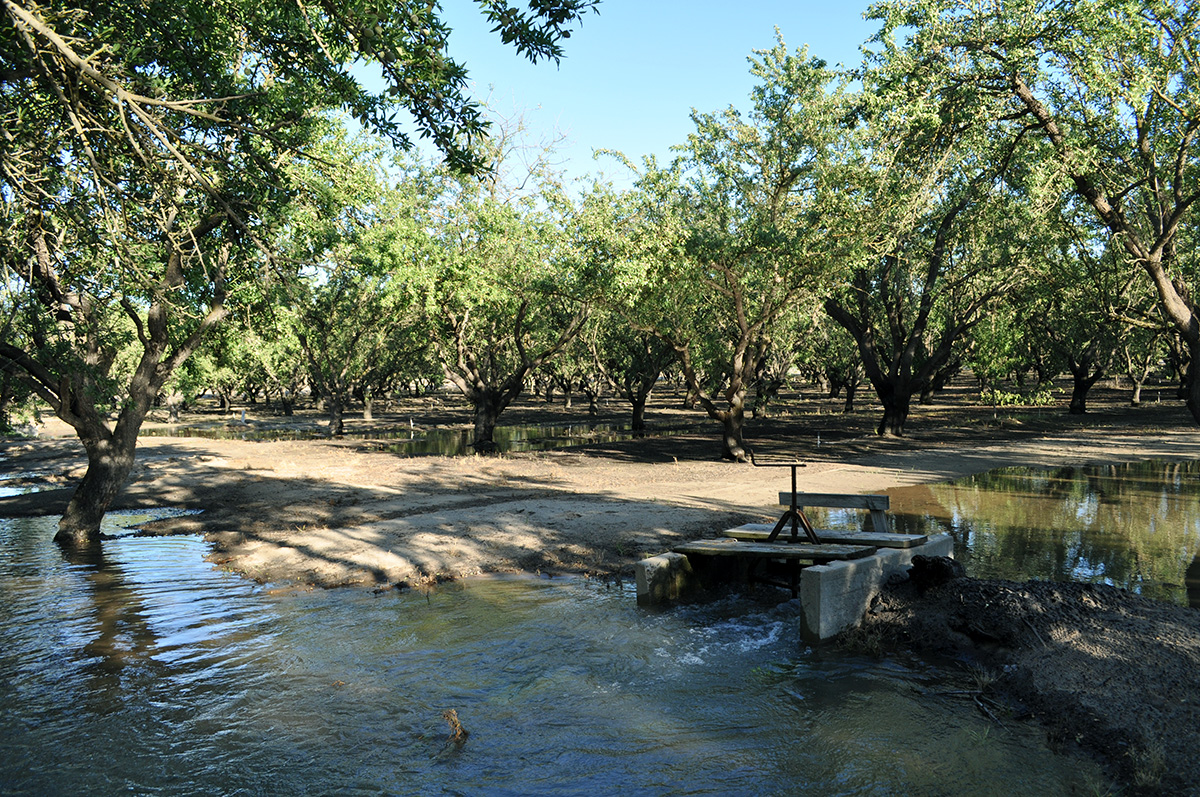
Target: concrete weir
{"points": [[834, 595]]}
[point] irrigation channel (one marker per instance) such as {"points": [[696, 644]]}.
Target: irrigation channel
{"points": [[148, 671], [416, 441]]}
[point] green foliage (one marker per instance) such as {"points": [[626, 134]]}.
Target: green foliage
{"points": [[500, 286], [1044, 396], [1103, 101], [713, 251]]}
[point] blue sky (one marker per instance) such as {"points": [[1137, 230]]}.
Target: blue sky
{"points": [[633, 72]]}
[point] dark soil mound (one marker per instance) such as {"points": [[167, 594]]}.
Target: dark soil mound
{"points": [[1101, 668]]}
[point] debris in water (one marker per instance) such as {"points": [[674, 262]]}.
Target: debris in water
{"points": [[458, 734]]}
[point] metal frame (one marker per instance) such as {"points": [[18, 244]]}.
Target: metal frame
{"points": [[794, 514]]}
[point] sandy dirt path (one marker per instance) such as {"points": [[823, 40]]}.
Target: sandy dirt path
{"points": [[338, 512]]}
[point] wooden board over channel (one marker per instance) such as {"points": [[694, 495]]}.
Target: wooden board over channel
{"points": [[761, 550], [758, 532]]}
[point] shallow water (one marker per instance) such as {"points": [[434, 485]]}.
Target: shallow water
{"points": [[150, 672], [435, 442], [1135, 526]]}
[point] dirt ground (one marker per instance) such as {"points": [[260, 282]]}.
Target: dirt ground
{"points": [[1103, 669]]}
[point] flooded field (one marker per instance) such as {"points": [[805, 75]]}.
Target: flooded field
{"points": [[148, 671]]}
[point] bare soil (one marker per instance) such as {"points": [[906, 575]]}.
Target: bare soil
{"points": [[1105, 670]]}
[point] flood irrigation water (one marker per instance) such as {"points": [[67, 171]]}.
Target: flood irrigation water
{"points": [[1133, 525], [417, 441], [147, 671]]}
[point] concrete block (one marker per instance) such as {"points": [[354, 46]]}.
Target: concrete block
{"points": [[837, 595], [663, 578]]}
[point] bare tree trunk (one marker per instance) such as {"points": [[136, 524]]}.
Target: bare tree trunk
{"points": [[1192, 387], [109, 463], [337, 411], [896, 403], [1083, 379], [174, 405], [487, 414], [638, 422], [733, 446]]}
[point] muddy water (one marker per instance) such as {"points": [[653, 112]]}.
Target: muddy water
{"points": [[146, 671], [1135, 526], [435, 442]]}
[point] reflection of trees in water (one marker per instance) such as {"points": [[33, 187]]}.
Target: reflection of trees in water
{"points": [[123, 633], [1135, 525]]}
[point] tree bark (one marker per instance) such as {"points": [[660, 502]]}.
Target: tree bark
{"points": [[337, 411], [487, 413], [1082, 381], [896, 404], [638, 422], [1192, 388], [110, 461], [733, 446]]}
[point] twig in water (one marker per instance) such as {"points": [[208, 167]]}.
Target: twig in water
{"points": [[458, 734]]}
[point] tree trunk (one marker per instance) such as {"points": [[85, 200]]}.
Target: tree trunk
{"points": [[487, 413], [1082, 383], [851, 389], [174, 404], [6, 396], [733, 446], [368, 409], [1193, 380], [1136, 399], [110, 460], [336, 409], [896, 403], [638, 423]]}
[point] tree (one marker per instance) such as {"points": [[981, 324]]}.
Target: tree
{"points": [[631, 361], [827, 354], [1111, 89], [938, 224], [726, 239], [349, 314], [498, 281], [141, 170]]}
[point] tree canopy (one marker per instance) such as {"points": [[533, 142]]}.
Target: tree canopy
{"points": [[144, 173]]}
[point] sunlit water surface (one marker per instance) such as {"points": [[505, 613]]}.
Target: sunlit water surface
{"points": [[151, 672], [1135, 526]]}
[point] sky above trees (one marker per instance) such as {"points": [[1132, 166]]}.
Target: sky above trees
{"points": [[633, 73]]}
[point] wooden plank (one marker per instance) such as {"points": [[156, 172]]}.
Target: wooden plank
{"points": [[836, 500], [762, 550], [758, 532]]}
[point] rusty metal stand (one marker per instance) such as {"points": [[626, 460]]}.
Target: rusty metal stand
{"points": [[794, 515]]}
